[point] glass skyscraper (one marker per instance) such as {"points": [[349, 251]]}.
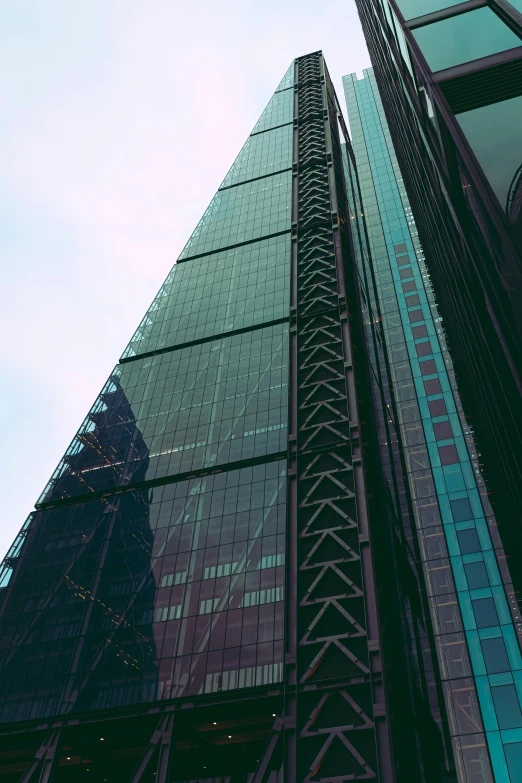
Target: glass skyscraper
{"points": [[444, 526], [268, 555], [450, 77]]}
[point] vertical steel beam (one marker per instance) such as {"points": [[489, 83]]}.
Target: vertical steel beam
{"points": [[333, 678]]}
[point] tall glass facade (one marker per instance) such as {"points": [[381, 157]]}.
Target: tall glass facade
{"points": [[474, 615], [268, 554], [154, 565]]}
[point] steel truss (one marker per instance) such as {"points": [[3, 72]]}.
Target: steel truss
{"points": [[335, 719]]}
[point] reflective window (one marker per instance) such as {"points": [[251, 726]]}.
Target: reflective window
{"points": [[507, 707], [495, 655], [288, 78], [412, 8], [236, 288], [262, 154], [243, 213], [485, 612], [280, 110], [468, 541], [476, 575], [513, 750], [463, 38], [494, 133], [172, 590], [461, 509], [204, 405]]}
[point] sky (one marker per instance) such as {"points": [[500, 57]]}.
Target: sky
{"points": [[119, 121]]}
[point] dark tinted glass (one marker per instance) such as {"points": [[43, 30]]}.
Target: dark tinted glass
{"points": [[442, 430], [448, 455], [437, 407], [432, 387], [195, 569], [495, 655], [485, 612], [413, 8], [476, 575], [507, 707], [468, 541], [494, 133], [423, 349], [513, 750], [463, 38], [428, 367], [461, 510], [419, 331]]}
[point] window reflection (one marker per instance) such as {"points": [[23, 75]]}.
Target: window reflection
{"points": [[412, 8], [463, 38], [147, 595], [493, 133]]}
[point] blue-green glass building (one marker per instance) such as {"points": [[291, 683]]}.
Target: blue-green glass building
{"points": [[268, 554], [448, 528]]}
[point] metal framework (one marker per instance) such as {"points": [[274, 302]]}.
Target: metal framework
{"points": [[335, 718]]}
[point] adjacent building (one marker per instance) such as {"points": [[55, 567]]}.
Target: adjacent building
{"points": [[268, 555], [450, 76], [439, 535]]}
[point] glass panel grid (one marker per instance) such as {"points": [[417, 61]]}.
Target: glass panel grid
{"points": [[280, 110], [262, 154], [188, 599], [208, 404], [243, 213], [440, 498], [234, 289]]}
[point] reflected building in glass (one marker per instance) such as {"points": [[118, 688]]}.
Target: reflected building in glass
{"points": [[450, 76], [267, 555]]}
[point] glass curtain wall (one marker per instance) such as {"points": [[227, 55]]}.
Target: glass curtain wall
{"points": [[153, 566], [473, 611]]}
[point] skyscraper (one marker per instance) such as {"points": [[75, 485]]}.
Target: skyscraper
{"points": [[437, 522], [267, 555], [450, 76]]}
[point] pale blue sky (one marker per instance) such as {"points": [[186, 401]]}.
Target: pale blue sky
{"points": [[119, 120]]}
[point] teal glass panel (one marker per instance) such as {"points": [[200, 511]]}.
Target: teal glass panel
{"points": [[463, 38], [234, 289], [513, 753], [495, 655], [412, 8], [264, 153], [199, 406], [280, 110], [195, 567], [516, 4], [494, 134], [243, 213], [288, 78], [507, 707]]}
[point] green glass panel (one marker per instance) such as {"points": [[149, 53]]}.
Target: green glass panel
{"points": [[288, 78], [199, 406], [494, 134], [234, 289], [412, 8], [463, 38], [280, 110], [264, 153], [243, 213]]}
